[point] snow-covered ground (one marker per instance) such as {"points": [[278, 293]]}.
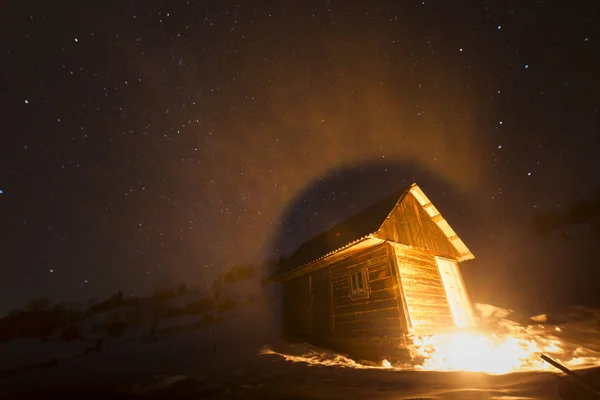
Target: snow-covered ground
{"points": [[252, 362]]}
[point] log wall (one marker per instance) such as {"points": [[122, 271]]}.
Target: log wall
{"points": [[423, 290], [377, 315]]}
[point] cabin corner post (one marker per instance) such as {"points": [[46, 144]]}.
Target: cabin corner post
{"points": [[331, 311], [400, 299], [309, 304]]}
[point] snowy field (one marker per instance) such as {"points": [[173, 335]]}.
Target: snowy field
{"points": [[251, 362], [268, 376]]}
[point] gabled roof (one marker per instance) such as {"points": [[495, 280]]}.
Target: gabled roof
{"points": [[365, 225], [354, 228], [463, 251]]}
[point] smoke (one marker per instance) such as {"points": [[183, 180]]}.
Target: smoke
{"points": [[288, 122]]}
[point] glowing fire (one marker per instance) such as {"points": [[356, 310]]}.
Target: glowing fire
{"points": [[479, 352], [501, 346]]}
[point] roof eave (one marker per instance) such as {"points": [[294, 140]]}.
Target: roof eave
{"points": [[369, 239], [465, 257]]}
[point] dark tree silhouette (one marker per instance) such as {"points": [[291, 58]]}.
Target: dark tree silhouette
{"points": [[96, 348], [70, 333], [38, 304], [157, 314], [115, 325]]}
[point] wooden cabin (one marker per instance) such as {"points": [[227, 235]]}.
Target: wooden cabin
{"points": [[386, 272]]}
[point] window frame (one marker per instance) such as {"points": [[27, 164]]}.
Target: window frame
{"points": [[366, 293]]}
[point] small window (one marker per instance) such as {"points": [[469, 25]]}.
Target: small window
{"points": [[358, 284]]}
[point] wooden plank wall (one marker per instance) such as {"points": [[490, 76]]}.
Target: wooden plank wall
{"points": [[410, 224], [377, 315], [423, 289]]}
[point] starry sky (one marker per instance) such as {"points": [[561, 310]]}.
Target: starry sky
{"points": [[145, 142]]}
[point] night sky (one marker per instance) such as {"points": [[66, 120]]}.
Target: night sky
{"points": [[147, 142]]}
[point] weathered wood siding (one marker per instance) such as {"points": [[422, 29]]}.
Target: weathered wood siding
{"points": [[423, 290], [410, 224], [377, 315], [297, 307]]}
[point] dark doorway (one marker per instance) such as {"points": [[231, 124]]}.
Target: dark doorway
{"points": [[321, 304]]}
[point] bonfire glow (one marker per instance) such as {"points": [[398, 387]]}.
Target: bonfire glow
{"points": [[501, 346], [475, 351]]}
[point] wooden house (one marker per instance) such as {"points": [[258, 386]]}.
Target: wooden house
{"points": [[386, 272]]}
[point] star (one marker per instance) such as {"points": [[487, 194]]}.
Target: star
{"points": [[230, 143]]}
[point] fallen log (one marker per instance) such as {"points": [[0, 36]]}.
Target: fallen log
{"points": [[579, 380]]}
